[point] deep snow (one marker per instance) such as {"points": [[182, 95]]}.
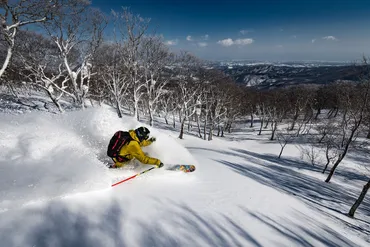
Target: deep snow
{"points": [[56, 191]]}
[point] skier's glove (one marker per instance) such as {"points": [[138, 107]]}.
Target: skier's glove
{"points": [[152, 139], [160, 165]]}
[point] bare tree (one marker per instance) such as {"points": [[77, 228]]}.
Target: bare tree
{"points": [[354, 102], [300, 98], [188, 86], [276, 110], [284, 137], [359, 200], [219, 100], [77, 31], [155, 56], [17, 14], [42, 65], [131, 30], [262, 109], [234, 109], [111, 70]]}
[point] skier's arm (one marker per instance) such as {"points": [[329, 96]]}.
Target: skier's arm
{"points": [[146, 143], [140, 155]]}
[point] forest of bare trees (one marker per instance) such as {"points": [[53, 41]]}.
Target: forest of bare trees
{"points": [[67, 56]]}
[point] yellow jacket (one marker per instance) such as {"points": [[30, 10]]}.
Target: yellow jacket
{"points": [[133, 150]]}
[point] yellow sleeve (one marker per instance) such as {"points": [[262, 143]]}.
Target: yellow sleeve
{"points": [[145, 143], [140, 155]]}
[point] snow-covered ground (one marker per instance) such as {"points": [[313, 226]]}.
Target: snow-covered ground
{"points": [[56, 191]]}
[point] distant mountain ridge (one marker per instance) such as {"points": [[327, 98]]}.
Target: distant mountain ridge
{"points": [[268, 75]]}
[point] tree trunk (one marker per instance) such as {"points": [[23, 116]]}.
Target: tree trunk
{"points": [[333, 168], [55, 101], [151, 115], [174, 120], [118, 109], [210, 134], [9, 55], [281, 151], [327, 159], [12, 90], [252, 120], [322, 138], [359, 199], [228, 128], [294, 122], [342, 155], [136, 110], [336, 112], [181, 136], [205, 129], [267, 123], [326, 167], [198, 124], [260, 132], [317, 113], [274, 127]]}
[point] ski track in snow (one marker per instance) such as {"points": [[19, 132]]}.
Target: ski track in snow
{"points": [[56, 191]]}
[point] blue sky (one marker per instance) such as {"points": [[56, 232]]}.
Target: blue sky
{"points": [[281, 30]]}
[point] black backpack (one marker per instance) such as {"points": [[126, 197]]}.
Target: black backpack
{"points": [[118, 140]]}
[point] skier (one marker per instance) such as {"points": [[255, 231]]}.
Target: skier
{"points": [[132, 149]]}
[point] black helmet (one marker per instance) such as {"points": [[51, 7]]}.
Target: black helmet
{"points": [[142, 133]]}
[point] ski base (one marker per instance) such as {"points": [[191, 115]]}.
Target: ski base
{"points": [[184, 168]]}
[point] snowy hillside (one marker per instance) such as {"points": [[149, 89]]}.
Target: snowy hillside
{"points": [[272, 75], [56, 191]]}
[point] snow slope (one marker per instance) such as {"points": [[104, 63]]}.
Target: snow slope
{"points": [[55, 190]]}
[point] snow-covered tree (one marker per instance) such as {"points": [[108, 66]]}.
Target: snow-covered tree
{"points": [[42, 65], [130, 32], [111, 70], [77, 30], [16, 14], [188, 87], [168, 105], [155, 56]]}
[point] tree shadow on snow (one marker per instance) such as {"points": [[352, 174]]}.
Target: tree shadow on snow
{"points": [[178, 225], [60, 225], [279, 174], [300, 164], [306, 234], [191, 228]]}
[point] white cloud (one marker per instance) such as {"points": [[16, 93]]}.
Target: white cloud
{"points": [[205, 37], [330, 38], [243, 41], [230, 42], [189, 38], [202, 44], [313, 40], [245, 31], [172, 42], [226, 42]]}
